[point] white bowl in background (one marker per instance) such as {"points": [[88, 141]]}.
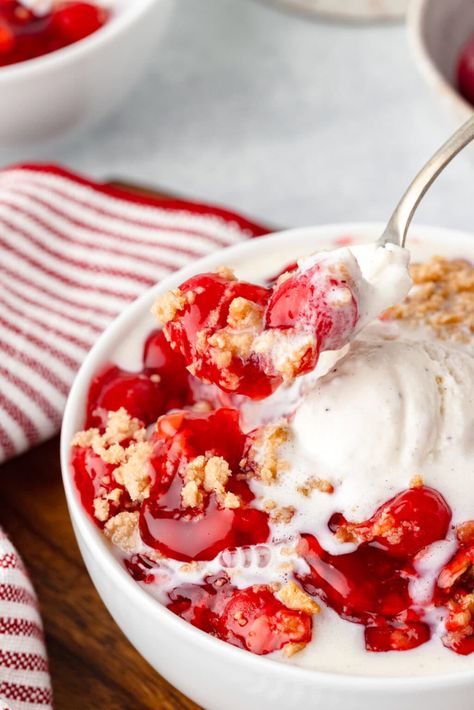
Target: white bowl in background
{"points": [[364, 10], [68, 90], [213, 673], [438, 30]]}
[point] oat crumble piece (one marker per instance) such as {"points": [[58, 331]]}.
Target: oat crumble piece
{"points": [[417, 481], [131, 460], [295, 598], [442, 299], [133, 472], [263, 456], [244, 314], [465, 532], [168, 305], [191, 495], [226, 273], [101, 509], [290, 649], [286, 348], [316, 484], [210, 475], [122, 530], [282, 515]]}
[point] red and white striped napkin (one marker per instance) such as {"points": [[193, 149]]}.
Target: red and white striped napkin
{"points": [[24, 678], [73, 254]]}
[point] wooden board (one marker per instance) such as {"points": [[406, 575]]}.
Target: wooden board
{"points": [[93, 666]]}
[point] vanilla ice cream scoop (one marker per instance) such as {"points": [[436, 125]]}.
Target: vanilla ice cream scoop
{"points": [[387, 411]]}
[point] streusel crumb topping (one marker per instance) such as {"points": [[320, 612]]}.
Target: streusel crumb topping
{"points": [[122, 530], [208, 475], [122, 445], [168, 305], [442, 299], [295, 598], [263, 458]]}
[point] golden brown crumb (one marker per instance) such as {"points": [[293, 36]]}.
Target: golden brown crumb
{"points": [[120, 426], [101, 509], [244, 314], [465, 532], [231, 501], [123, 531], [168, 305], [315, 484], [264, 455], [83, 439], [133, 472], [295, 598], [191, 495], [209, 475], [269, 505], [286, 348], [417, 481], [282, 515], [226, 273], [442, 299], [226, 344], [289, 649], [131, 460]]}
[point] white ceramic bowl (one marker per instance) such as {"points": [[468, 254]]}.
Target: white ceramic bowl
{"points": [[350, 9], [66, 91], [211, 672], [438, 29]]}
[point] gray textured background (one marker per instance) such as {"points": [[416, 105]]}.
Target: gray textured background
{"points": [[289, 120]]}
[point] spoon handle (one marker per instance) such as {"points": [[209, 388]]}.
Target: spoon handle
{"points": [[397, 226]]}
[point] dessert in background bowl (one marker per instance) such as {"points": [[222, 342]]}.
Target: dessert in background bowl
{"points": [[32, 28], [441, 35], [329, 537], [98, 57]]}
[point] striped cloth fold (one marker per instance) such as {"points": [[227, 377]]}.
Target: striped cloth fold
{"points": [[73, 254], [24, 678]]}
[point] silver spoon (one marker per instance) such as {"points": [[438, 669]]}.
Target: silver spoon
{"points": [[397, 226]]}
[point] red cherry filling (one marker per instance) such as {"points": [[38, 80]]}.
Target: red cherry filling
{"points": [[455, 592], [465, 71], [311, 300], [179, 530], [94, 478], [404, 525], [396, 636], [206, 314], [251, 618], [163, 384], [370, 585], [248, 339], [115, 388], [360, 585], [24, 35], [75, 20]]}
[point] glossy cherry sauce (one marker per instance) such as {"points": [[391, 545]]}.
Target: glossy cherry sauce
{"points": [[26, 35]]}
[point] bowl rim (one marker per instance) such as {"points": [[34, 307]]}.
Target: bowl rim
{"points": [[116, 26], [96, 543], [417, 10]]}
